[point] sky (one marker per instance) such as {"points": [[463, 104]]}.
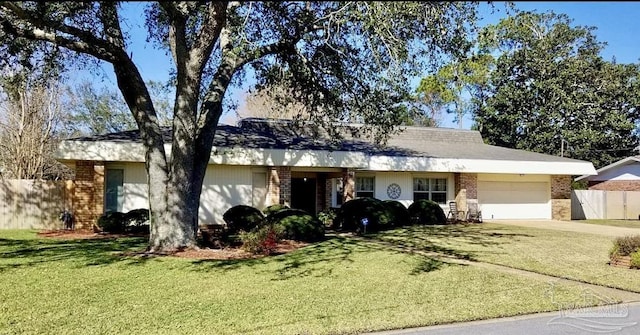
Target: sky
{"points": [[617, 24]]}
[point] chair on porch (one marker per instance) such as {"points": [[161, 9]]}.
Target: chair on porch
{"points": [[474, 214], [454, 215]]}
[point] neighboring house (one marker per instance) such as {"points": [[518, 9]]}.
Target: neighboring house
{"points": [[623, 175], [262, 162]]}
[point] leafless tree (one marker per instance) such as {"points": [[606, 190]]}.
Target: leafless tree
{"points": [[29, 117]]}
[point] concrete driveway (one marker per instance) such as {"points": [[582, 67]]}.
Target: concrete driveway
{"points": [[571, 226]]}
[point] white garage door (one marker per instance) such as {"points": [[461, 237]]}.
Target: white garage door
{"points": [[514, 200]]}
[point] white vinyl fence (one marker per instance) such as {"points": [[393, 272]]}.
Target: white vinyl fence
{"points": [[612, 205], [31, 204]]}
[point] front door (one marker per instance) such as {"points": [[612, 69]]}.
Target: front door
{"points": [[303, 194]]}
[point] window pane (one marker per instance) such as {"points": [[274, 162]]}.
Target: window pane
{"points": [[420, 184], [420, 195], [114, 190], [439, 185], [364, 184], [440, 198]]}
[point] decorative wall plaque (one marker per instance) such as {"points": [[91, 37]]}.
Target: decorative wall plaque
{"points": [[394, 191]]}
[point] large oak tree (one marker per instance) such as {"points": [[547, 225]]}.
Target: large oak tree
{"points": [[342, 60], [551, 91]]}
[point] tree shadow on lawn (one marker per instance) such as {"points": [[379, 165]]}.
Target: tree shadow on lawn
{"points": [[444, 240], [17, 253], [316, 260]]}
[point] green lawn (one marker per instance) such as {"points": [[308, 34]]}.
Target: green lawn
{"points": [[615, 223], [570, 255], [338, 286]]}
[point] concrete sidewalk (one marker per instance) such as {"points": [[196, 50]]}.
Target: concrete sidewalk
{"points": [[574, 226]]}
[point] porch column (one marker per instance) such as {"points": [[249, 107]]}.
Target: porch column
{"points": [[349, 185], [88, 194], [321, 192], [328, 193], [284, 174], [466, 187], [561, 197]]}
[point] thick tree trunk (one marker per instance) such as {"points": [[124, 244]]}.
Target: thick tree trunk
{"points": [[173, 217]]}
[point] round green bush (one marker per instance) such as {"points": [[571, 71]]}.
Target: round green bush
{"points": [[137, 220], [112, 222], [351, 215], [274, 208], [426, 212], [297, 225], [242, 218], [397, 213]]}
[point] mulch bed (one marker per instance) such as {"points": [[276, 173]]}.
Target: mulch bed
{"points": [[230, 253]]}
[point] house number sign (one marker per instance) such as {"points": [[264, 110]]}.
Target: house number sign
{"points": [[394, 191]]}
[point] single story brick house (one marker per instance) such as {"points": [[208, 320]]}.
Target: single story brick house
{"points": [[623, 175], [261, 162]]}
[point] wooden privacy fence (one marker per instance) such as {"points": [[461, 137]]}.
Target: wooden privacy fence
{"points": [[611, 205], [33, 204]]}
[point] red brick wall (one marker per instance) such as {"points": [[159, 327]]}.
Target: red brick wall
{"points": [[466, 187], [469, 181], [328, 192], [615, 185]]}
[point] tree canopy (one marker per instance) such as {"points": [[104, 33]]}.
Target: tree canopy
{"points": [[550, 89], [340, 59]]}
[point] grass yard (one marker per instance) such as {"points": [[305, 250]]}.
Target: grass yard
{"points": [[334, 287], [570, 255], [615, 223]]}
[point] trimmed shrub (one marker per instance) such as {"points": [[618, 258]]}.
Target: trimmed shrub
{"points": [[397, 213], [327, 216], [351, 215], [426, 212], [242, 218], [274, 208], [297, 225], [261, 240], [137, 220], [112, 222], [625, 246]]}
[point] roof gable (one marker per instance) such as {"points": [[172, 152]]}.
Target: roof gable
{"points": [[603, 172]]}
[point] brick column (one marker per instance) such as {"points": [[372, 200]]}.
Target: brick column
{"points": [[349, 185], [98, 189], [284, 173], [561, 197], [320, 192], [328, 193], [466, 187], [88, 194]]}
